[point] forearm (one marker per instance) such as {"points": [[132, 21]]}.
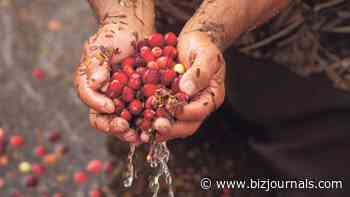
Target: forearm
{"points": [[223, 21], [132, 13]]}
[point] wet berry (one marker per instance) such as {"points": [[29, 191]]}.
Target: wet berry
{"points": [[149, 114], [151, 76], [142, 43], [170, 51], [149, 89], [119, 105], [149, 102], [156, 39], [121, 77], [129, 61], [170, 39], [164, 62], [157, 52], [145, 124], [153, 65], [168, 76], [135, 81], [128, 70], [128, 94], [126, 114], [114, 89], [38, 73], [135, 107], [146, 54]]}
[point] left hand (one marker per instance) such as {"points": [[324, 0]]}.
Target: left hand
{"points": [[204, 81]]}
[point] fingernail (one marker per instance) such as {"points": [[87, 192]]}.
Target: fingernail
{"points": [[188, 86], [162, 125], [144, 137]]}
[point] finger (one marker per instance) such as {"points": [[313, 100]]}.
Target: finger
{"points": [[198, 76], [93, 99], [144, 137], [131, 136], [207, 102], [118, 125], [180, 129], [100, 122], [162, 125]]}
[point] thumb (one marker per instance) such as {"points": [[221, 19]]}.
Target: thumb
{"points": [[199, 74]]}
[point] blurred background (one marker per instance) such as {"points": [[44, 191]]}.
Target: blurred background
{"points": [[40, 44]]}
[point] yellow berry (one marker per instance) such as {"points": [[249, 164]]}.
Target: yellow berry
{"points": [[25, 167], [179, 68]]}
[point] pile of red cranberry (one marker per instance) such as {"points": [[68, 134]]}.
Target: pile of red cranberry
{"points": [[145, 86]]}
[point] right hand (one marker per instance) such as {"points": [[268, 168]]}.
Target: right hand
{"points": [[93, 73]]}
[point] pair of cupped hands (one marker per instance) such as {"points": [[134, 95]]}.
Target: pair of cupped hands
{"points": [[203, 81]]}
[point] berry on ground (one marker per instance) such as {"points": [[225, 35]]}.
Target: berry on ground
{"points": [[16, 141], [94, 166], [80, 177]]}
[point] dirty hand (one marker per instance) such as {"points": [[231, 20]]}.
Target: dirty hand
{"points": [[203, 81], [110, 44]]}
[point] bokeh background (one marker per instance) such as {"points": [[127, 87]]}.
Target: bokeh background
{"points": [[40, 44]]}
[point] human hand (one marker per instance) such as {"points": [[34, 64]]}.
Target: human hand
{"points": [[108, 46], [203, 81]]}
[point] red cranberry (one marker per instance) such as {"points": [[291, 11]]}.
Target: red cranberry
{"points": [[151, 76], [40, 151], [128, 94], [153, 65], [175, 87], [145, 124], [168, 76], [126, 114], [114, 89], [121, 77], [94, 166], [129, 61], [149, 102], [135, 81], [135, 107], [157, 52], [80, 177], [156, 39], [16, 141], [149, 89], [164, 62], [170, 39], [147, 55], [119, 105], [149, 114], [170, 51], [128, 69], [38, 169]]}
